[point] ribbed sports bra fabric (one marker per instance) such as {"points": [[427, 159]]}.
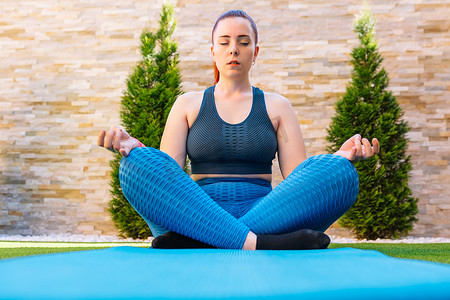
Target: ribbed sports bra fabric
{"points": [[217, 147]]}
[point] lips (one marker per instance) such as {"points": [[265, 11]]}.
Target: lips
{"points": [[234, 62]]}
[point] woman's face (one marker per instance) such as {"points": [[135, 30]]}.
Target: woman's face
{"points": [[234, 48]]}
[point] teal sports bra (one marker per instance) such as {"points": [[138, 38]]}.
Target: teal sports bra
{"points": [[217, 147]]}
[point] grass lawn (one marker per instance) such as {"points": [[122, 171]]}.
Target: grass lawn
{"points": [[439, 252], [431, 252], [16, 249]]}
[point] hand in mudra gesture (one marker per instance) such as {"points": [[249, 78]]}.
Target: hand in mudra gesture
{"points": [[117, 140], [356, 148]]}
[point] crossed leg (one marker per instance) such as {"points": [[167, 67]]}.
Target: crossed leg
{"points": [[313, 196], [317, 192], [162, 193]]}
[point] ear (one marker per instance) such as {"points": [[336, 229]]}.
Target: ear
{"points": [[212, 54], [255, 54]]}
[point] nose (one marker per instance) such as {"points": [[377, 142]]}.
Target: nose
{"points": [[233, 49]]}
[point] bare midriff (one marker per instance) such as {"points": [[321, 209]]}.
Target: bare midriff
{"points": [[197, 177]]}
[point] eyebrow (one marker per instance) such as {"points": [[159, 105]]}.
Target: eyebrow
{"points": [[239, 36]]}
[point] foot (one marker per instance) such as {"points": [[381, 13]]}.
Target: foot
{"points": [[172, 240], [304, 239]]}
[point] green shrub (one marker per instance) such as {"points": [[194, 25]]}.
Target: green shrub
{"points": [[384, 207], [152, 88]]}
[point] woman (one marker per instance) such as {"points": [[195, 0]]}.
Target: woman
{"points": [[231, 133]]}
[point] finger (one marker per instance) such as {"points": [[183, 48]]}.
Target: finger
{"points": [[101, 138], [352, 139], [368, 151], [353, 154], [356, 137], [124, 152], [376, 146], [358, 145], [109, 139], [116, 128], [117, 139]]}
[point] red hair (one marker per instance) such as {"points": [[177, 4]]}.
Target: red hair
{"points": [[216, 73], [235, 13]]}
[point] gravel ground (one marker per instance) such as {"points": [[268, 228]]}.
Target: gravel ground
{"points": [[114, 239]]}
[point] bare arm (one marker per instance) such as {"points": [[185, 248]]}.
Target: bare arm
{"points": [[291, 147], [173, 141], [174, 138]]}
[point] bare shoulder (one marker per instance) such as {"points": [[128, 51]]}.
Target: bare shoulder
{"points": [[189, 105], [188, 102], [189, 99], [276, 103], [278, 108]]}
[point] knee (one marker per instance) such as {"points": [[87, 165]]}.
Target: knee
{"points": [[141, 159], [348, 177], [330, 162], [130, 170], [145, 167], [344, 165], [340, 169], [344, 169], [125, 176], [342, 180]]}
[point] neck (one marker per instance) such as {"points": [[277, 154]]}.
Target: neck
{"points": [[233, 86]]}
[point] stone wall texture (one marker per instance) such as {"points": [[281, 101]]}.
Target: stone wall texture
{"points": [[63, 66]]}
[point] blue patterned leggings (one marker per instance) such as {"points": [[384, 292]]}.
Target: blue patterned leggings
{"points": [[222, 211]]}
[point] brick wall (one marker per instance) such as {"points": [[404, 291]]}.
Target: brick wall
{"points": [[63, 65]]}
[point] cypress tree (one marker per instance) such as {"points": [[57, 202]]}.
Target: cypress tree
{"points": [[385, 207], [152, 88]]}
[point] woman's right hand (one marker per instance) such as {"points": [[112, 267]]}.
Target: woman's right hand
{"points": [[117, 140]]}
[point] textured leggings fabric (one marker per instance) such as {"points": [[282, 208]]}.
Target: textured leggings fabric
{"points": [[236, 195], [313, 196]]}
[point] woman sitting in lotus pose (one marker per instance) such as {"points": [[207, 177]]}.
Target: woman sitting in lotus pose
{"points": [[231, 133]]}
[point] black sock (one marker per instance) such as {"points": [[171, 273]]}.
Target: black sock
{"points": [[304, 239], [172, 240]]}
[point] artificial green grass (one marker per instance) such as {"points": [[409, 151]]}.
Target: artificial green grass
{"points": [[439, 252], [17, 249], [27, 251]]}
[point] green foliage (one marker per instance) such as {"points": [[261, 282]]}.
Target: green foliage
{"points": [[152, 88], [384, 207]]}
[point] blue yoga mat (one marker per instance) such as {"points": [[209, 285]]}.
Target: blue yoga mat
{"points": [[136, 273]]}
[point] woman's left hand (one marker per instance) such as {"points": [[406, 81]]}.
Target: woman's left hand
{"points": [[356, 148]]}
